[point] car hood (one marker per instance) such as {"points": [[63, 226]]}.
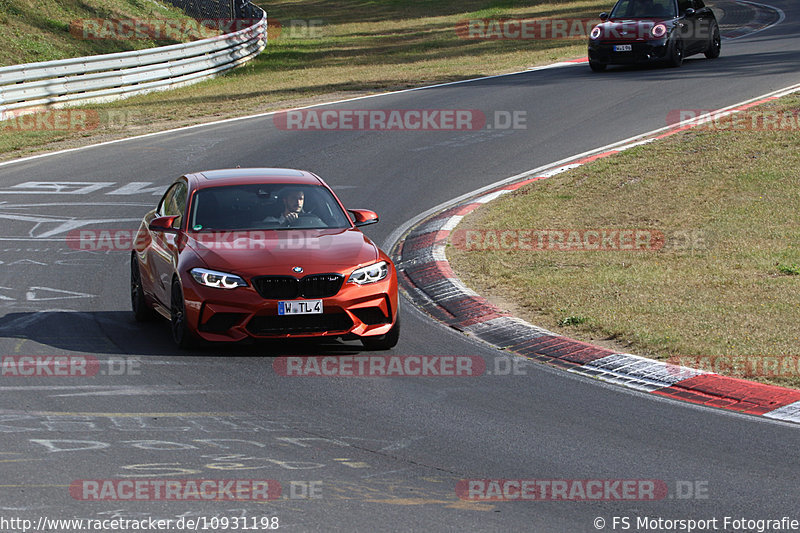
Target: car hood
{"points": [[253, 253]]}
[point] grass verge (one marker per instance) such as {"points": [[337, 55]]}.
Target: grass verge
{"points": [[726, 281], [33, 31], [324, 51]]}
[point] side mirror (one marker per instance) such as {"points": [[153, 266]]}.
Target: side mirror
{"points": [[163, 224], [603, 16], [363, 217], [690, 12]]}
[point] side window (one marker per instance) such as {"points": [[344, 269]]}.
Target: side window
{"points": [[163, 201], [662, 8], [698, 4], [174, 202], [683, 5]]}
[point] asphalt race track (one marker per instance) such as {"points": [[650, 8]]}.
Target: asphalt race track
{"points": [[387, 451]]}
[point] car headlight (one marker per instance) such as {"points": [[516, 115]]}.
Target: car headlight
{"points": [[369, 274], [217, 280], [659, 30], [595, 33]]}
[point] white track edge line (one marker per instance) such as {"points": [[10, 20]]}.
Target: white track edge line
{"points": [[781, 18], [395, 236], [268, 113]]}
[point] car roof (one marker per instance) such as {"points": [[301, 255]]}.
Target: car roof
{"points": [[248, 176]]}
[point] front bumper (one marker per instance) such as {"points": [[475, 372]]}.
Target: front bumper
{"points": [[219, 315], [641, 52]]}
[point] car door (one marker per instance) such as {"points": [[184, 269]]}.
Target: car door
{"points": [[163, 252], [688, 26], [704, 24]]}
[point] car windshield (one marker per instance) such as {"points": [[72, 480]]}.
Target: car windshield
{"points": [[265, 206], [636, 9]]}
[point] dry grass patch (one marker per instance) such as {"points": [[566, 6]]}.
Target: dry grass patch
{"points": [[39, 30], [726, 282]]}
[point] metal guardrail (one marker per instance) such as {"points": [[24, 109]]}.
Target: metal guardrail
{"points": [[113, 76]]}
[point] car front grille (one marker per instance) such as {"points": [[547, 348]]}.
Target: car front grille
{"points": [[277, 287], [321, 285], [288, 287], [299, 324]]}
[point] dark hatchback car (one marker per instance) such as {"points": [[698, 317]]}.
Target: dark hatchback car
{"points": [[653, 31]]}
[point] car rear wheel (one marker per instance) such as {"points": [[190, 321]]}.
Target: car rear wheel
{"points": [[180, 328], [597, 67], [141, 311], [714, 43], [676, 53], [384, 342]]}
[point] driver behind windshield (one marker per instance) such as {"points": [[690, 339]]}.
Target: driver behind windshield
{"points": [[293, 200], [292, 206]]}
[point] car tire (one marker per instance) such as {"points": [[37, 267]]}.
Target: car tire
{"points": [[142, 312], [714, 43], [597, 67], [384, 342], [181, 334], [676, 52]]}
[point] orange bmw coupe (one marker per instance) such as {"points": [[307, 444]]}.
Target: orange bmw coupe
{"points": [[262, 253]]}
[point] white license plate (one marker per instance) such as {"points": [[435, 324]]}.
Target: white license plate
{"points": [[622, 48], [300, 307]]}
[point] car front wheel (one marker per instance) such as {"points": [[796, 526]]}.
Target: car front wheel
{"points": [[676, 53], [384, 342], [714, 43], [597, 67], [142, 312], [181, 334]]}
